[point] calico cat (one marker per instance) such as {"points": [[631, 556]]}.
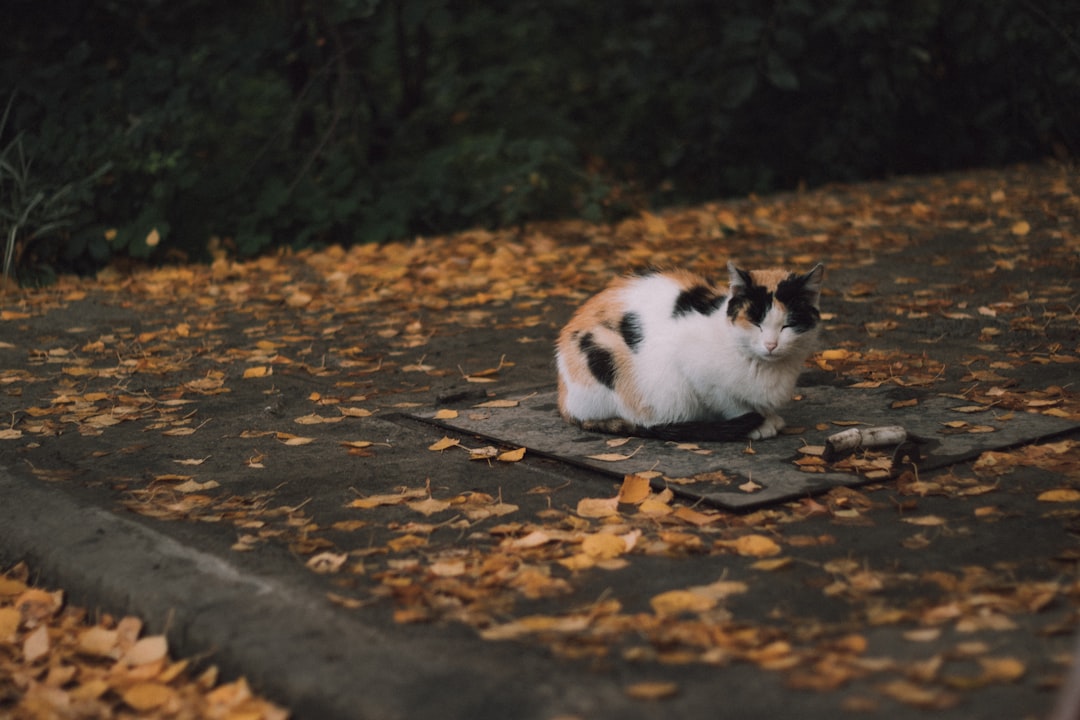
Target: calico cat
{"points": [[668, 355]]}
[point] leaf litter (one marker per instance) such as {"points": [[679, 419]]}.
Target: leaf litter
{"points": [[405, 294]]}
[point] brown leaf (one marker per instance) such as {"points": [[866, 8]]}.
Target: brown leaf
{"points": [[652, 690], [598, 507], [634, 489], [444, 444]]}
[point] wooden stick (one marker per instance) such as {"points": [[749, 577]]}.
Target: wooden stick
{"points": [[855, 438]]}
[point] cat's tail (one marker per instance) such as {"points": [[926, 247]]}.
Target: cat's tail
{"points": [[726, 430]]}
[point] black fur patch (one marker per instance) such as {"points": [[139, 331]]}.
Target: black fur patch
{"points": [[802, 315], [601, 362], [630, 328], [721, 430], [755, 299], [700, 299]]}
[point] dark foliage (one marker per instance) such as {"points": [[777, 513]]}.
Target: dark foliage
{"points": [[249, 124]]}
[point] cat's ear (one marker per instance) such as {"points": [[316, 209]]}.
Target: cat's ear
{"points": [[738, 278], [812, 281]]}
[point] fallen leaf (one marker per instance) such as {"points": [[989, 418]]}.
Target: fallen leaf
{"points": [[614, 457], [147, 650], [652, 690], [603, 545], [498, 404], [634, 489], [98, 641], [444, 444], [326, 562], [676, 602], [36, 645], [598, 507], [446, 414], [925, 520], [1002, 669], [146, 696], [1060, 495], [429, 506], [315, 419], [511, 455], [752, 545]]}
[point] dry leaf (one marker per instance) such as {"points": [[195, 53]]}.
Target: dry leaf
{"points": [[147, 650], [429, 506], [326, 562], [654, 690], [98, 641], [1060, 495], [511, 456], [603, 546], [444, 444], [676, 602], [598, 507], [446, 414], [752, 546], [634, 489], [614, 457], [147, 696], [498, 404], [36, 645]]}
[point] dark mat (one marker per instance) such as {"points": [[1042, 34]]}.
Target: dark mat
{"points": [[745, 475]]}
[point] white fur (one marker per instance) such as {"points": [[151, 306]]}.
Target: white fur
{"points": [[696, 367]]}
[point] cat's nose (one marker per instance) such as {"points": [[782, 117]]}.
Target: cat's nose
{"points": [[770, 345]]}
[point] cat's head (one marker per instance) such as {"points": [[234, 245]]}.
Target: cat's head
{"points": [[774, 312]]}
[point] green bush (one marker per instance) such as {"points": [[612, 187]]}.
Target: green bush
{"points": [[303, 122]]}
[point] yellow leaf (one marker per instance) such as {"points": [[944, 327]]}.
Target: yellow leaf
{"points": [[752, 546], [446, 414], [258, 371], [654, 507], [1060, 495], [694, 517], [652, 690], [298, 299], [153, 238], [1002, 669], [429, 506], [36, 645], [603, 546], [614, 457], [598, 507], [314, 419], [194, 486], [146, 696], [675, 602], [634, 490], [97, 641], [1021, 228], [497, 404], [10, 618], [925, 520], [443, 444], [511, 455], [326, 562], [354, 412], [147, 650]]}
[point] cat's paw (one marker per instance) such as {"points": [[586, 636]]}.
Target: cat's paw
{"points": [[773, 424]]}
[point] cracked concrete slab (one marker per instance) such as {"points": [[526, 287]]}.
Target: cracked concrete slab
{"points": [[718, 472]]}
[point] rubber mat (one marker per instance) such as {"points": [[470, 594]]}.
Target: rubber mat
{"points": [[748, 474]]}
